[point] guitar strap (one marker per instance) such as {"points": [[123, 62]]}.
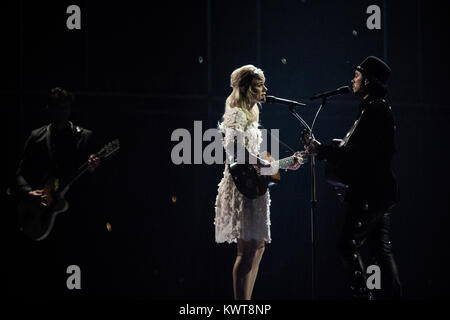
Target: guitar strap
{"points": [[352, 129], [77, 133], [350, 132]]}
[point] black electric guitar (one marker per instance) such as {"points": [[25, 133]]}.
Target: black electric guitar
{"points": [[252, 181], [36, 220]]}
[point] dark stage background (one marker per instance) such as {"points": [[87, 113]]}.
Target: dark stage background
{"points": [[139, 70]]}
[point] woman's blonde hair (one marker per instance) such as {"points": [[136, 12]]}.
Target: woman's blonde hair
{"points": [[242, 81]]}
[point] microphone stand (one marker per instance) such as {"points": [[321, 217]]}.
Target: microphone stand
{"points": [[313, 199]]}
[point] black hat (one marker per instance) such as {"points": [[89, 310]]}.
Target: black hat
{"points": [[375, 68]]}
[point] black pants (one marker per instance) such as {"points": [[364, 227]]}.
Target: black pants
{"points": [[371, 225]]}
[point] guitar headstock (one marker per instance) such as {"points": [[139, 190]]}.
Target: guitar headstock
{"points": [[109, 149]]}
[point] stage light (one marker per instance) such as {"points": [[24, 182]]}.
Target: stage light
{"points": [[174, 199], [108, 227], [283, 61]]}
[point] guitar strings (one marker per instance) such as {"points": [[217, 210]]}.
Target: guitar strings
{"points": [[279, 140], [299, 118]]}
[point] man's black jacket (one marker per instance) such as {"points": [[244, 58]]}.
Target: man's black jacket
{"points": [[48, 153], [366, 159]]}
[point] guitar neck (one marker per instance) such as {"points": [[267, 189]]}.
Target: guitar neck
{"points": [[81, 170], [285, 162], [107, 151]]}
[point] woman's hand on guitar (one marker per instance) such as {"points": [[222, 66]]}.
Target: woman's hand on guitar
{"points": [[262, 163], [298, 161], [312, 147]]}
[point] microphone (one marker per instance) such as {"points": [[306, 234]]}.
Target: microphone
{"points": [[272, 99], [341, 90]]}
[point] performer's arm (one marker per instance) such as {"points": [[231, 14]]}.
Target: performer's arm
{"points": [[24, 189], [330, 152], [333, 153]]}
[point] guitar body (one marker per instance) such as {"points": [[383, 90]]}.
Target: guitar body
{"points": [[249, 181], [36, 220], [335, 175]]}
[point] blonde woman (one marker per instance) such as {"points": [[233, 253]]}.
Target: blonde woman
{"points": [[238, 218]]}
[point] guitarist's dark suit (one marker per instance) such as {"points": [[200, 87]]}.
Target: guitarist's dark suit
{"points": [[363, 163], [48, 153]]}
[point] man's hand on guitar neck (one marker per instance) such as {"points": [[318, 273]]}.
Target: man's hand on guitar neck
{"points": [[311, 144], [93, 162], [312, 147]]}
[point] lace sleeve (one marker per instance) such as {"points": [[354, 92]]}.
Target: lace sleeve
{"points": [[233, 126]]}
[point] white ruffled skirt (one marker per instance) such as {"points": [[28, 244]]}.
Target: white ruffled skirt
{"points": [[238, 217]]}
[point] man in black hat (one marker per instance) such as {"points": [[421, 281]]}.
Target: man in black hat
{"points": [[359, 168]]}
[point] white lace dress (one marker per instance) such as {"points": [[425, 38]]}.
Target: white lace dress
{"points": [[238, 217]]}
